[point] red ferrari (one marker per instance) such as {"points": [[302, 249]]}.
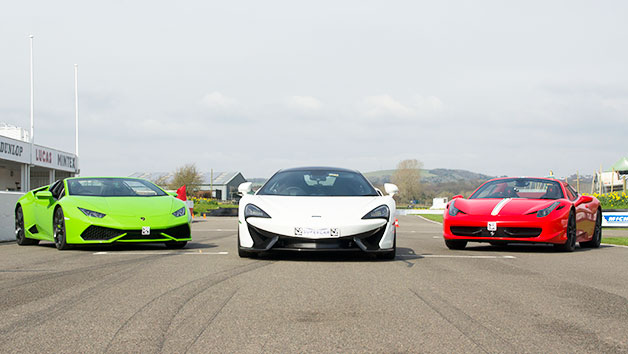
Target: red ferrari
{"points": [[522, 209]]}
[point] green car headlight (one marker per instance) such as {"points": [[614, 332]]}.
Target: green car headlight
{"points": [[179, 212], [91, 213]]}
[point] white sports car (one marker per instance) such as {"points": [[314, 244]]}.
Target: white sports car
{"points": [[317, 208]]}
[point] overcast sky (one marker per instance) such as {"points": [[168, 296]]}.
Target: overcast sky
{"points": [[497, 87]]}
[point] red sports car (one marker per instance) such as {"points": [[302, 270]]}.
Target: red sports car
{"points": [[524, 209]]}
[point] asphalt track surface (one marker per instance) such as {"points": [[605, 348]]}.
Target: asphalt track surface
{"points": [[205, 299]]}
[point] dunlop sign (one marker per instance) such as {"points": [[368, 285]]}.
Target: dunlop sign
{"points": [[14, 150]]}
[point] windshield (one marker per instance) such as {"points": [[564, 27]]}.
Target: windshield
{"points": [[528, 188], [113, 187], [323, 183]]}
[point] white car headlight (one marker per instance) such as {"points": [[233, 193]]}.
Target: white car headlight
{"points": [[91, 213], [252, 210], [179, 212], [381, 212]]}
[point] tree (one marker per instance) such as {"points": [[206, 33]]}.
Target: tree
{"points": [[189, 176], [408, 178]]}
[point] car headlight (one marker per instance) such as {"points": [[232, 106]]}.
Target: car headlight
{"points": [[381, 212], [453, 211], [179, 212], [545, 212], [252, 210], [93, 214]]}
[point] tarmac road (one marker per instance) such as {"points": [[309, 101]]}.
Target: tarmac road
{"points": [[204, 298]]}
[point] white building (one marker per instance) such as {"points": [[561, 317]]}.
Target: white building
{"points": [[22, 169]]}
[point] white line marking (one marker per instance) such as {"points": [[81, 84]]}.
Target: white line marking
{"points": [[158, 253], [432, 221], [216, 230], [455, 256], [610, 244]]}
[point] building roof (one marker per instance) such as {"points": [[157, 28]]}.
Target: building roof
{"points": [[621, 165], [220, 178]]}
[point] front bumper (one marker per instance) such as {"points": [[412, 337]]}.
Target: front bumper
{"points": [[526, 228], [255, 239]]}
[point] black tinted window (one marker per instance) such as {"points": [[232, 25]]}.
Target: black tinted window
{"points": [[327, 183]]}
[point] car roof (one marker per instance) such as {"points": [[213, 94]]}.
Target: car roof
{"points": [[318, 168]]}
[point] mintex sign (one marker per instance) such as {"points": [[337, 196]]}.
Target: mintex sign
{"points": [[615, 218]]}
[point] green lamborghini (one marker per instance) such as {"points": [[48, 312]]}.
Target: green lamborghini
{"points": [[96, 210]]}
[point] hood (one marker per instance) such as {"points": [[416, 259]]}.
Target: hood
{"points": [[325, 209], [509, 207], [124, 206]]}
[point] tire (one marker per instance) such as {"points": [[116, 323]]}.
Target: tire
{"points": [[20, 233], [58, 227], [175, 244], [245, 254], [597, 233], [570, 243]]}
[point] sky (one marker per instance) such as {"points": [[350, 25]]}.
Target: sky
{"points": [[495, 87]]}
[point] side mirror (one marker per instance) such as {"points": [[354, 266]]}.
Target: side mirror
{"points": [[457, 197], [245, 188], [173, 194], [584, 199], [43, 195], [391, 189]]}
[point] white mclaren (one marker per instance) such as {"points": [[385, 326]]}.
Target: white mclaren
{"points": [[317, 209]]}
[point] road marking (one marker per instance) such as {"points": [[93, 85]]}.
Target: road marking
{"points": [[610, 244], [453, 256], [216, 230], [160, 253]]}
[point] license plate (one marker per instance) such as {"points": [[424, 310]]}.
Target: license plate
{"points": [[316, 232], [491, 226], [145, 230]]}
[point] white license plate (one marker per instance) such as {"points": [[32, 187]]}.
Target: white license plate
{"points": [[316, 232], [491, 226], [145, 230]]}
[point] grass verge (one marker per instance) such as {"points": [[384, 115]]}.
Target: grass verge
{"points": [[616, 240], [433, 217]]}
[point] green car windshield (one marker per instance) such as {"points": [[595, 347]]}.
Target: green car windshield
{"points": [[113, 187]]}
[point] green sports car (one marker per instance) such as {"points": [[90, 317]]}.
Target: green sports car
{"points": [[96, 210]]}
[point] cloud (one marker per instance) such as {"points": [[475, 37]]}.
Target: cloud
{"points": [[218, 100], [387, 106], [305, 103]]}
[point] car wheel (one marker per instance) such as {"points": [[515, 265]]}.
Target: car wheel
{"points": [[176, 244], [456, 244], [570, 243], [20, 234], [245, 254], [597, 233], [58, 226]]}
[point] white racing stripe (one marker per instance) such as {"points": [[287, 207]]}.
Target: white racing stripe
{"points": [[500, 206]]}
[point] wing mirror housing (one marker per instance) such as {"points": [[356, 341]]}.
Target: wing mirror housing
{"points": [[584, 199], [391, 189], [245, 188], [456, 197], [172, 194], [43, 195]]}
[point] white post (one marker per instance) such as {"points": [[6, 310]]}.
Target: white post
{"points": [[76, 115], [28, 178]]}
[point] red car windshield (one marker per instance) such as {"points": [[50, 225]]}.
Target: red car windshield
{"points": [[528, 188]]}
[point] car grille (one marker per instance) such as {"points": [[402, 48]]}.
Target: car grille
{"points": [[99, 233], [512, 232]]}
